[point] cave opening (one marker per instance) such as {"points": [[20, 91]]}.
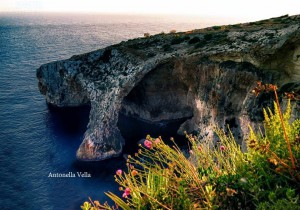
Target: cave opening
{"points": [[70, 121], [158, 105], [134, 130]]}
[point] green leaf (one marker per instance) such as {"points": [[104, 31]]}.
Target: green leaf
{"points": [[118, 201], [290, 194]]}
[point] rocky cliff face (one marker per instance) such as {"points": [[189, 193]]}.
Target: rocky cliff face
{"points": [[206, 75]]}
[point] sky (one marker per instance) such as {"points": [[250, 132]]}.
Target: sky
{"points": [[215, 8]]}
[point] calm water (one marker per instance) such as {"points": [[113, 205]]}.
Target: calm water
{"points": [[35, 140]]}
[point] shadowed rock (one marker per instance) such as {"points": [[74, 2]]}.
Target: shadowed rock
{"points": [[163, 77]]}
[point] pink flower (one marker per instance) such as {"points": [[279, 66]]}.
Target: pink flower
{"points": [[222, 148], [124, 195], [127, 191], [191, 152], [157, 141], [119, 172], [148, 144]]}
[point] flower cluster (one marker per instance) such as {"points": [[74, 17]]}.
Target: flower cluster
{"points": [[148, 144], [126, 192], [127, 189]]}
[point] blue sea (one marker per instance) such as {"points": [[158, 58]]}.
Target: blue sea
{"points": [[36, 140]]}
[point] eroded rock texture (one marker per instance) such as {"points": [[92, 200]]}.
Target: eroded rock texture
{"points": [[206, 75]]}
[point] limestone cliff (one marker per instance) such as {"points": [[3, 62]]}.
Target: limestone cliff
{"points": [[206, 75]]}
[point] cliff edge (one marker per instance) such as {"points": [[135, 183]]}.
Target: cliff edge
{"points": [[205, 75]]}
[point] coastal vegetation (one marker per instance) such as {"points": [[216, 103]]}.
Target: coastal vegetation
{"points": [[217, 174]]}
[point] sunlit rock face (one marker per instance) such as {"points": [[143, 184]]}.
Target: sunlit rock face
{"points": [[205, 75]]}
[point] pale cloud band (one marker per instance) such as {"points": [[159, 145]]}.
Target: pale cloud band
{"points": [[253, 8]]}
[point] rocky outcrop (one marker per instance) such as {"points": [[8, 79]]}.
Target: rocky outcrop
{"points": [[206, 75]]}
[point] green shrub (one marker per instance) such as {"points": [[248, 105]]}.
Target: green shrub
{"points": [[208, 37], [194, 40], [216, 28], [218, 175], [200, 44], [167, 47], [177, 40], [238, 25], [146, 35]]}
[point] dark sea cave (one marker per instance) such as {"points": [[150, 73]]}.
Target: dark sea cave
{"points": [[72, 121]]}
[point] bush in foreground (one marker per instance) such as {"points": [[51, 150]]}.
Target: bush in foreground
{"points": [[220, 176]]}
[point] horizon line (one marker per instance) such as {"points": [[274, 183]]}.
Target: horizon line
{"points": [[141, 14]]}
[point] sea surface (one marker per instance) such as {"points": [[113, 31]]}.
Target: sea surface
{"points": [[35, 139]]}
